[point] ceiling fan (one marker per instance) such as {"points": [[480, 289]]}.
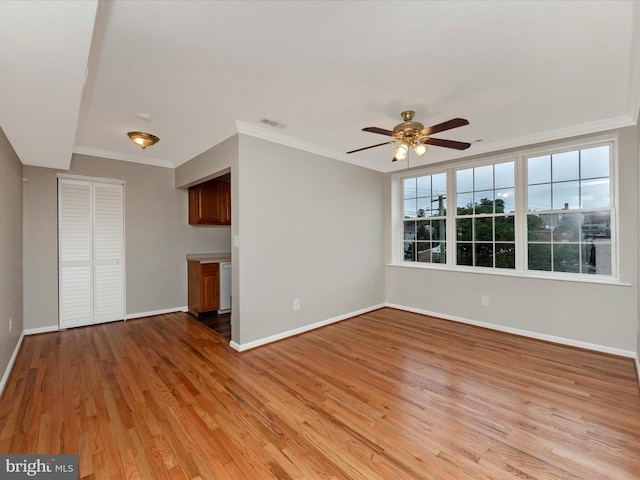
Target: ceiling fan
{"points": [[413, 134]]}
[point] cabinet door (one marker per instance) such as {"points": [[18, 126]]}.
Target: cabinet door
{"points": [[210, 203], [209, 287]]}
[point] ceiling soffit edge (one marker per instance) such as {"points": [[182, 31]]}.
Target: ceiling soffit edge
{"points": [[96, 152]]}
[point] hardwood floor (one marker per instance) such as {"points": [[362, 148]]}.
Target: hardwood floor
{"points": [[386, 395], [218, 322]]}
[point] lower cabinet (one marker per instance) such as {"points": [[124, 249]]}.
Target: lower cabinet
{"points": [[203, 287]]}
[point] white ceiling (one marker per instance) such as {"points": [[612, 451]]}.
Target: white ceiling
{"points": [[520, 72]]}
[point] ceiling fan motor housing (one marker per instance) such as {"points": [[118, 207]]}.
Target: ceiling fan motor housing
{"points": [[408, 128]]}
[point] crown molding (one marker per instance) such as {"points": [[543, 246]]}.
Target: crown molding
{"points": [[97, 152], [275, 137]]}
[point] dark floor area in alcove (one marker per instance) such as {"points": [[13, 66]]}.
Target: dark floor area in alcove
{"points": [[219, 323]]}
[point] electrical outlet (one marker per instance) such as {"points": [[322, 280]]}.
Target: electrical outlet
{"points": [[296, 304], [485, 301], [10, 324]]}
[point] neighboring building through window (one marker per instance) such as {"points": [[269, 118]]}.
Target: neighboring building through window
{"points": [[569, 212]]}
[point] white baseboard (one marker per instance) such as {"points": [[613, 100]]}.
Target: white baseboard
{"points": [[34, 331], [130, 316], [638, 366], [524, 333], [296, 331], [7, 372]]}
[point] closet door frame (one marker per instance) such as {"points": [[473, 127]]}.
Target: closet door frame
{"points": [[93, 317]]}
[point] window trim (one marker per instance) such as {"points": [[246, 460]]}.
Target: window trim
{"points": [[521, 183]]}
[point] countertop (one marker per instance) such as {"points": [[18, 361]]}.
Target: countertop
{"points": [[210, 257]]}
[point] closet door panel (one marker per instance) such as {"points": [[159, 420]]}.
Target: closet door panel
{"points": [[75, 253], [109, 252]]}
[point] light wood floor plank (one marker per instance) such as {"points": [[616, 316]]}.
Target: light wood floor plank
{"points": [[385, 395]]}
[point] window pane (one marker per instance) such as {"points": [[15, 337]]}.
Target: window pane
{"points": [[594, 162], [484, 229], [596, 225], [484, 202], [424, 186], [464, 229], [464, 256], [504, 175], [424, 252], [568, 227], [596, 257], [539, 257], [539, 169], [439, 205], [566, 195], [566, 257], [505, 231], [424, 207], [539, 197], [538, 229], [483, 178], [505, 255], [464, 180], [439, 184], [565, 166], [465, 203], [409, 231], [423, 230], [595, 193], [438, 229], [410, 210], [409, 188], [409, 252], [505, 200], [484, 254]]}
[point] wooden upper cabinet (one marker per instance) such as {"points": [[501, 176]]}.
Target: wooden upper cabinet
{"points": [[210, 203]]}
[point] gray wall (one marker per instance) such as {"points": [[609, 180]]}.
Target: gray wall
{"points": [[310, 228], [597, 314], [10, 251], [157, 237]]}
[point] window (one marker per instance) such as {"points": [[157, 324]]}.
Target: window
{"points": [[485, 229], [551, 212], [424, 223], [569, 212]]}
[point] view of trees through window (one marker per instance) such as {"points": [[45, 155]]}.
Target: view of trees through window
{"points": [[566, 214], [485, 231]]}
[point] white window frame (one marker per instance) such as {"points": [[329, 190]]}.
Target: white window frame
{"points": [[521, 194]]}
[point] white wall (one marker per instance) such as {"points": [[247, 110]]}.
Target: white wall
{"points": [[605, 316], [10, 253], [310, 228], [157, 238]]}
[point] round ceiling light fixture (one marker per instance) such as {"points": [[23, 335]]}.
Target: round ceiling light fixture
{"points": [[143, 139]]}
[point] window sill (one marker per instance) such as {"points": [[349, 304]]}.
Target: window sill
{"points": [[602, 280]]}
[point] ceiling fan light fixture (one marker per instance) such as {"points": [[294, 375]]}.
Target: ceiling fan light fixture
{"points": [[143, 140], [401, 151], [419, 148]]}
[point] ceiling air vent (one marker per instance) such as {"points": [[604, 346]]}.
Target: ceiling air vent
{"points": [[272, 123]]}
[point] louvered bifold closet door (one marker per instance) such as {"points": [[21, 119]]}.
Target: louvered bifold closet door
{"points": [[108, 231], [91, 252], [75, 232]]}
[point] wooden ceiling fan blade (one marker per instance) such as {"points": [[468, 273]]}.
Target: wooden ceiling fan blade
{"points": [[381, 131], [448, 125], [372, 146], [440, 142]]}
